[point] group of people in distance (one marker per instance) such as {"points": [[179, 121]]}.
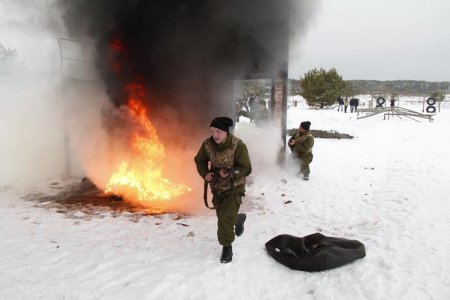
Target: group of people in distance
{"points": [[224, 163], [344, 102], [253, 108]]}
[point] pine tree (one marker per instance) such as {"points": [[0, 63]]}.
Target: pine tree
{"points": [[321, 88]]}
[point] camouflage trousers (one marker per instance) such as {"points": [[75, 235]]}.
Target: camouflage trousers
{"points": [[227, 208], [305, 160]]}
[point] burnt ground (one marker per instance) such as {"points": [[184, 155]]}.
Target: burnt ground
{"points": [[83, 200], [324, 134]]}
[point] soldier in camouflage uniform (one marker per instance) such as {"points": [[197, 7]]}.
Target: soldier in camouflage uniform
{"points": [[230, 164], [301, 144]]}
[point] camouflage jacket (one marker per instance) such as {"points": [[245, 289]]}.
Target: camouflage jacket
{"points": [[303, 143], [231, 154]]}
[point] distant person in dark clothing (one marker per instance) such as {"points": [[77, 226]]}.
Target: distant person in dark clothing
{"points": [[341, 104], [392, 102], [352, 105], [251, 103]]}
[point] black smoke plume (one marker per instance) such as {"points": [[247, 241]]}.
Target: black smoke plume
{"points": [[186, 52]]}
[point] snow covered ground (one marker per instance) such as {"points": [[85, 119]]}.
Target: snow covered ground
{"points": [[387, 187]]}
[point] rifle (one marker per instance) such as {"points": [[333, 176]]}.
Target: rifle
{"points": [[213, 183]]}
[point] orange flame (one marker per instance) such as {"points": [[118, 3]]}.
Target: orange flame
{"points": [[141, 177]]}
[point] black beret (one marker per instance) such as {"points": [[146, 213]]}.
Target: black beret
{"points": [[305, 125], [222, 123]]}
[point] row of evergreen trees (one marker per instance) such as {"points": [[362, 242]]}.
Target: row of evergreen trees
{"points": [[322, 88]]}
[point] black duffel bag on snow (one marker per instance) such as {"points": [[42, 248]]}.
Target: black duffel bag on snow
{"points": [[315, 252]]}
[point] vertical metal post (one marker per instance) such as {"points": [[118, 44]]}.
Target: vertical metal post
{"points": [[279, 108], [66, 138], [440, 100], [67, 154]]}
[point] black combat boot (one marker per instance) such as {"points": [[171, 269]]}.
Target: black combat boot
{"points": [[239, 229], [227, 254]]}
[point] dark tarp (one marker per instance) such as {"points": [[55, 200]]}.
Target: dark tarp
{"points": [[315, 252]]}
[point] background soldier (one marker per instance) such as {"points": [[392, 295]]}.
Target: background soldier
{"points": [[301, 143]]}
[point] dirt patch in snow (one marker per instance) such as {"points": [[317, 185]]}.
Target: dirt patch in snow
{"points": [[84, 200], [324, 134]]}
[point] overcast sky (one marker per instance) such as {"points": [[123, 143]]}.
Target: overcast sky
{"points": [[377, 39], [362, 39]]}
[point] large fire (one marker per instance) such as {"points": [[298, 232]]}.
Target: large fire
{"points": [[140, 178]]}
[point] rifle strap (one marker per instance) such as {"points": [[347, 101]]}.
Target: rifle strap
{"points": [[205, 195]]}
